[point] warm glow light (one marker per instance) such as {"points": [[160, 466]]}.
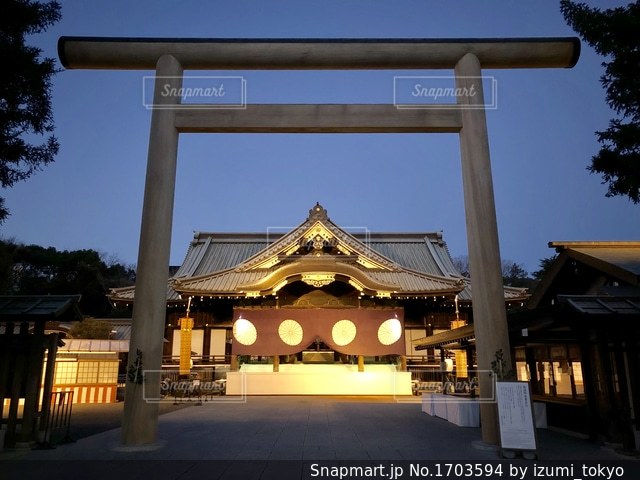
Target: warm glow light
{"points": [[343, 332], [290, 332], [186, 326], [461, 364], [390, 331], [245, 332], [280, 285]]}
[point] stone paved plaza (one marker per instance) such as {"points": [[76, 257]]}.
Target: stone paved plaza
{"points": [[247, 440]]}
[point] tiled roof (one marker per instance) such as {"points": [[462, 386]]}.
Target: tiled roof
{"points": [[224, 263], [620, 259], [511, 294], [601, 305], [232, 281], [127, 294], [40, 307], [422, 252], [213, 252], [92, 345], [617, 262], [447, 337]]}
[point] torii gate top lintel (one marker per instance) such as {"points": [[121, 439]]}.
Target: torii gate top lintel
{"points": [[316, 54]]}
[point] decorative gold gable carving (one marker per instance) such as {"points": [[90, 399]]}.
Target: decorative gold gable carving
{"points": [[320, 299], [318, 212], [318, 279], [317, 235], [318, 232]]}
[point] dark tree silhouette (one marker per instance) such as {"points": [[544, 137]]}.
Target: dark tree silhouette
{"points": [[35, 270], [613, 33], [25, 92]]}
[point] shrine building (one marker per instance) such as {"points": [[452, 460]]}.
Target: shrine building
{"points": [[316, 310]]}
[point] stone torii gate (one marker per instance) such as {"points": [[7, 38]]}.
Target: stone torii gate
{"points": [[169, 57]]}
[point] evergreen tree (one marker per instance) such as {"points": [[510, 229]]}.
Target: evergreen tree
{"points": [[25, 92], [35, 270], [613, 33], [545, 265]]}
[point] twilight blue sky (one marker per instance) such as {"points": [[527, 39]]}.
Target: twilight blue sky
{"points": [[541, 136]]}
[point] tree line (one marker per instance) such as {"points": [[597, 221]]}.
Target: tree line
{"points": [[36, 270], [514, 274]]}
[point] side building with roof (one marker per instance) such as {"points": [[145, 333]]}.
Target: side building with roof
{"points": [[315, 298], [578, 342]]}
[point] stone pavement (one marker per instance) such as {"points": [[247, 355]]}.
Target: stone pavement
{"points": [[247, 440]]}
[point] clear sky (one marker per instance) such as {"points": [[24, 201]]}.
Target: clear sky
{"points": [[541, 136]]}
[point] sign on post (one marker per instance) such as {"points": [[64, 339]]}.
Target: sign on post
{"points": [[515, 416]]}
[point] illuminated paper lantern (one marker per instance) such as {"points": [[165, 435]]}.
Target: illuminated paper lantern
{"points": [[186, 325]]}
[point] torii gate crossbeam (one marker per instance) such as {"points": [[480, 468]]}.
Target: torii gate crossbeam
{"points": [[170, 56]]}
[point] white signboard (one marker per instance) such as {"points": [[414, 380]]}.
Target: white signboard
{"points": [[515, 415]]}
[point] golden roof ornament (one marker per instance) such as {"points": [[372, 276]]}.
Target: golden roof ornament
{"points": [[318, 212]]}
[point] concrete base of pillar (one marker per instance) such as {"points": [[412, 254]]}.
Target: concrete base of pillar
{"points": [[149, 447], [480, 445]]}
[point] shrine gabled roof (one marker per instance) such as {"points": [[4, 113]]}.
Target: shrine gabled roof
{"points": [[352, 261], [318, 228], [226, 263], [260, 282]]}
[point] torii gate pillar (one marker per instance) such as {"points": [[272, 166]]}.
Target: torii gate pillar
{"points": [[489, 314], [140, 423]]}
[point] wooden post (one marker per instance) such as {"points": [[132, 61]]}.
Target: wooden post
{"points": [[6, 355], [21, 355], [35, 358], [234, 363], [361, 363], [206, 344], [52, 349], [276, 363]]}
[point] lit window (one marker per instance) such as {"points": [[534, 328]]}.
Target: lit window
{"points": [[66, 373]]}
